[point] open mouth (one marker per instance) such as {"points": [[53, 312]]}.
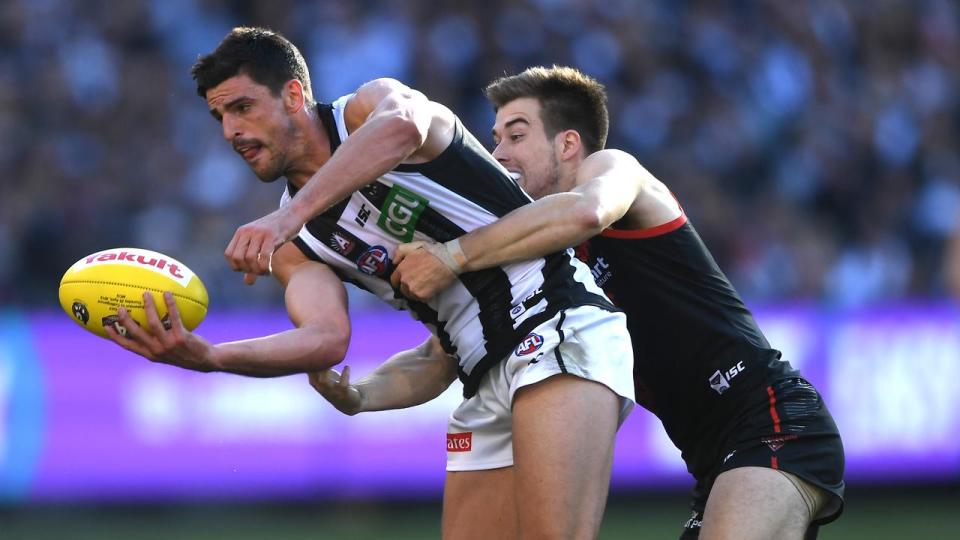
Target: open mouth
{"points": [[249, 152]]}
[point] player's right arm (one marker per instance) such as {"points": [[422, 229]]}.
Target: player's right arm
{"points": [[406, 379], [389, 124], [316, 303]]}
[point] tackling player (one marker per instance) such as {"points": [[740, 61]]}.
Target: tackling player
{"points": [[764, 451]]}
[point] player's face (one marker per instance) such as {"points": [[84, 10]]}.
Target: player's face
{"points": [[524, 148], [255, 123]]}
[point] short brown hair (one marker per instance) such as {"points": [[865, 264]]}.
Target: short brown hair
{"points": [[263, 55], [569, 99]]}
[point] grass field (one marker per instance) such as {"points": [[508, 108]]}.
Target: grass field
{"points": [[887, 514]]}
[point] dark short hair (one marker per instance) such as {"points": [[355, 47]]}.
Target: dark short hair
{"points": [[569, 99], [263, 55]]}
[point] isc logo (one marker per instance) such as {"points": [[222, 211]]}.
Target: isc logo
{"points": [[530, 344], [400, 212], [720, 381]]}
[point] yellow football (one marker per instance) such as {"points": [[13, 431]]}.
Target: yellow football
{"points": [[94, 288]]}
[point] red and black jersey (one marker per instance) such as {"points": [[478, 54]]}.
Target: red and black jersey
{"points": [[697, 348]]}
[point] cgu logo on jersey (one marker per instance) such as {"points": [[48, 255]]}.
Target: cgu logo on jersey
{"points": [[374, 261], [400, 212], [529, 345], [720, 381], [460, 442]]}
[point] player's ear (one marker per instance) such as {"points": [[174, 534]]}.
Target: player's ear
{"points": [[293, 98], [568, 144]]}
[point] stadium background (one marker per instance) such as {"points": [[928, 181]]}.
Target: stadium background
{"points": [[813, 143]]}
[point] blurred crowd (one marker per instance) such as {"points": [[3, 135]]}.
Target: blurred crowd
{"points": [[814, 144]]}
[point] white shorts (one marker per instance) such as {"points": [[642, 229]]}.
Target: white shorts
{"points": [[587, 341]]}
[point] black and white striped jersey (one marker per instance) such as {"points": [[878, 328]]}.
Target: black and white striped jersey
{"points": [[484, 315]]}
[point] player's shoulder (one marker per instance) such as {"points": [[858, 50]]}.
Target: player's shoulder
{"points": [[370, 93], [613, 153], [609, 164]]}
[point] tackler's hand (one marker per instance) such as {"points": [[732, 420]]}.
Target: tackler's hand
{"points": [[423, 269], [336, 388], [251, 249]]}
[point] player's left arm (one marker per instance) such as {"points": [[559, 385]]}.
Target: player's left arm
{"points": [[405, 379], [609, 183], [390, 123]]}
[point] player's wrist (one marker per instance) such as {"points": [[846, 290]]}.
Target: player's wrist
{"points": [[356, 400], [296, 214], [450, 254], [216, 359], [457, 254]]}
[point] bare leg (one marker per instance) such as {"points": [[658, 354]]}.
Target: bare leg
{"points": [[563, 433], [756, 503], [479, 505]]}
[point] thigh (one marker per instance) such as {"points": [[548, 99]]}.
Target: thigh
{"points": [[758, 503], [563, 434], [479, 505]]}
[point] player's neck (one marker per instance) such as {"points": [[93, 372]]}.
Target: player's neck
{"points": [[568, 175]]}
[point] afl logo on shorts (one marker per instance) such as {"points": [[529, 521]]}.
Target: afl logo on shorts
{"points": [[529, 345], [374, 261]]}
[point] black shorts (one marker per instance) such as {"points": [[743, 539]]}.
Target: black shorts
{"points": [[791, 430]]}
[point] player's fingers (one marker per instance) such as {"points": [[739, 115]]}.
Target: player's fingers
{"points": [[314, 378], [235, 248], [345, 377], [153, 316], [405, 249], [176, 323], [251, 254], [126, 342], [266, 262], [415, 293], [396, 277], [116, 337], [134, 332], [228, 251], [249, 278], [261, 260]]}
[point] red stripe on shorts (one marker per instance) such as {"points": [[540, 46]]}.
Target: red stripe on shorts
{"points": [[773, 410], [773, 463]]}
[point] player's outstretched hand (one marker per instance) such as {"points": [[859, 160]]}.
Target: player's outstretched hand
{"points": [[167, 341], [336, 388], [419, 274], [251, 249]]}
